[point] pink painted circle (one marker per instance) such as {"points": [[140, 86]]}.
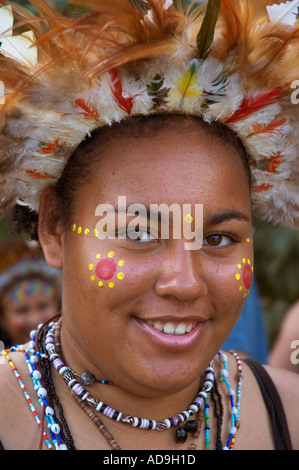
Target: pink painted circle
{"points": [[247, 276], [105, 270]]}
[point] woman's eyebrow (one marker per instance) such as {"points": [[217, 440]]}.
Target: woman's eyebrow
{"points": [[225, 216]]}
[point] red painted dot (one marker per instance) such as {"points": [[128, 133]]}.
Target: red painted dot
{"points": [[247, 276], [105, 270]]}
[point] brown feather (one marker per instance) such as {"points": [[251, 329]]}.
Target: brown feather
{"points": [[127, 32], [248, 42]]}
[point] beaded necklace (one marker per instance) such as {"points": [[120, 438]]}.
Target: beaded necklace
{"points": [[49, 351], [41, 393], [53, 349]]}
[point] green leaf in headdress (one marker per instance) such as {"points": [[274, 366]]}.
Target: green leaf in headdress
{"points": [[206, 34]]}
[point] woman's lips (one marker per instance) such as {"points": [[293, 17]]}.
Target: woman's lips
{"points": [[172, 334]]}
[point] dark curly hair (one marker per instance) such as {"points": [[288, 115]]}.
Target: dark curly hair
{"points": [[79, 168]]}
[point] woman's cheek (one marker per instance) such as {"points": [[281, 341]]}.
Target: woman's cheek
{"points": [[244, 276], [106, 269], [117, 279], [232, 282]]}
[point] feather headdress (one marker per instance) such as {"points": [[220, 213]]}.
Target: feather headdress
{"points": [[226, 61]]}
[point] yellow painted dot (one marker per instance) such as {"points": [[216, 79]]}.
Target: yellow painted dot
{"points": [[79, 229], [111, 254], [100, 284], [96, 233], [121, 262], [74, 227], [93, 278], [91, 266], [248, 261], [86, 231], [239, 266], [120, 276], [111, 285], [244, 260], [188, 219], [248, 240], [241, 288], [98, 256], [245, 295], [238, 277], [252, 269]]}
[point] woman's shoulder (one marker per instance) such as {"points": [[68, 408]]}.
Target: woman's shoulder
{"points": [[18, 427], [269, 417], [287, 385], [280, 391], [9, 364]]}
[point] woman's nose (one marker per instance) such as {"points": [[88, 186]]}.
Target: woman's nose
{"points": [[181, 275]]}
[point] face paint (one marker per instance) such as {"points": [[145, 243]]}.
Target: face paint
{"points": [[107, 269], [245, 276], [81, 230], [188, 219]]}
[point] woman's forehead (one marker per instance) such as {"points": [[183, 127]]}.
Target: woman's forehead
{"points": [[170, 166]]}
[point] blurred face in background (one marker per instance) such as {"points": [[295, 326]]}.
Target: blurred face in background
{"points": [[26, 304]]}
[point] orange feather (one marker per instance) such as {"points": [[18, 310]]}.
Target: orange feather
{"points": [[272, 128], [89, 111], [37, 175]]}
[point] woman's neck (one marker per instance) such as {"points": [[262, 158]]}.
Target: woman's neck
{"points": [[150, 403]]}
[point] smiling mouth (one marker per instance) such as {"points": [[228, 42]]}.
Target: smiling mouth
{"points": [[173, 328]]}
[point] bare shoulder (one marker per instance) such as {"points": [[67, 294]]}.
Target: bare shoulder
{"points": [[256, 430], [18, 427], [8, 378], [287, 385]]}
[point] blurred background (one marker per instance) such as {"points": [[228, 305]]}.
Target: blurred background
{"points": [[276, 249]]}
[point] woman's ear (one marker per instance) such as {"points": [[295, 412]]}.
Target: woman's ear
{"points": [[51, 229]]}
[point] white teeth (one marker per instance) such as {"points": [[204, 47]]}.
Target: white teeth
{"points": [[181, 329], [158, 326], [169, 328]]}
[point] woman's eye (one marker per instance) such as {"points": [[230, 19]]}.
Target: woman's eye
{"points": [[219, 240], [141, 235]]}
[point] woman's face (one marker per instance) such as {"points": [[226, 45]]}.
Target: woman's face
{"points": [[25, 305], [150, 314]]}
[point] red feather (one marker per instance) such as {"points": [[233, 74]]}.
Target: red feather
{"points": [[271, 128], [37, 175], [117, 90], [254, 103], [262, 188]]}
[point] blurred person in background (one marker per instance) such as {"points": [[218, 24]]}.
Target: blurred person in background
{"points": [[29, 292], [285, 352]]}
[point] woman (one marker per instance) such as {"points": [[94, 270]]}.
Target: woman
{"points": [[144, 315], [29, 291]]}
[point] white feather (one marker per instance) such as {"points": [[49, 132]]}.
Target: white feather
{"points": [[18, 48], [285, 12], [167, 4]]}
